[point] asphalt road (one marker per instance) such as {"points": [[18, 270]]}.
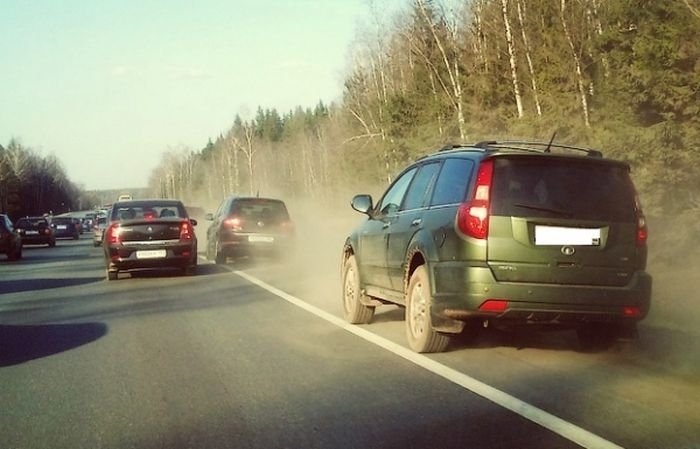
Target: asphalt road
{"points": [[224, 359]]}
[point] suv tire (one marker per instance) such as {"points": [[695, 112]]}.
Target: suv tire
{"points": [[353, 310], [419, 329]]}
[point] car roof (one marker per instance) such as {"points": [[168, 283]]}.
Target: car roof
{"points": [[160, 201], [255, 198], [482, 150]]}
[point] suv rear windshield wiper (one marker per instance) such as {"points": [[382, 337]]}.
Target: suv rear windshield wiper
{"points": [[563, 213]]}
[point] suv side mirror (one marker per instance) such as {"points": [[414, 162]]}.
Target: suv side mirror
{"points": [[362, 203], [209, 217], [193, 221]]}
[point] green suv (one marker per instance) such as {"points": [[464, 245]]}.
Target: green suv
{"points": [[507, 233]]}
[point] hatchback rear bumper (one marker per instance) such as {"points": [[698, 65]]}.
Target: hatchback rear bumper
{"points": [[460, 292], [241, 244]]}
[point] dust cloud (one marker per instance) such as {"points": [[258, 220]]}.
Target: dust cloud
{"points": [[669, 336]]}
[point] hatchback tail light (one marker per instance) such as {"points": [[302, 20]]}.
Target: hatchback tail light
{"points": [[287, 226], [473, 216], [185, 230], [113, 234], [233, 223]]}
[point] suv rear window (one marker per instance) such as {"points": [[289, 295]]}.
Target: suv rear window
{"points": [[535, 187]]}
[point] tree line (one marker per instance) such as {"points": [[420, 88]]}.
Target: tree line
{"points": [[622, 76], [32, 184]]}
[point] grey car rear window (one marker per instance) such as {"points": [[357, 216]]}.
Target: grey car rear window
{"points": [[536, 187]]}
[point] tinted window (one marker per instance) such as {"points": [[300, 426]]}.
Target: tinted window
{"points": [[393, 197], [451, 185], [26, 223], [417, 192], [529, 187], [148, 211], [260, 210]]}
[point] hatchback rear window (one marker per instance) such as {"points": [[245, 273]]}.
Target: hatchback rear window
{"points": [[535, 187], [31, 222], [260, 209]]}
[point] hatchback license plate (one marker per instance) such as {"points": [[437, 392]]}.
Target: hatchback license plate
{"points": [[151, 254], [62, 227], [556, 235], [261, 238], [32, 232]]}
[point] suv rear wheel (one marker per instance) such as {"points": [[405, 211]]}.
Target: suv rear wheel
{"points": [[353, 310], [419, 329]]}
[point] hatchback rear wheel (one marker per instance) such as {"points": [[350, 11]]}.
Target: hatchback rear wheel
{"points": [[219, 256], [419, 329]]}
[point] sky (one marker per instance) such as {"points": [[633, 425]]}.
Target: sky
{"points": [[109, 86]]}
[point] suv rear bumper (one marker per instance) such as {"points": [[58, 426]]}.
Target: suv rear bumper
{"points": [[460, 291]]}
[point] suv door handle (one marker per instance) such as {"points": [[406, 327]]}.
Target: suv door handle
{"points": [[416, 222]]}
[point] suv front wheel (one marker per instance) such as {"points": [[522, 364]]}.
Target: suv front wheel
{"points": [[353, 310], [419, 329]]}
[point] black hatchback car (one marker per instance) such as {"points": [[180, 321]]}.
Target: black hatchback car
{"points": [[10, 241], [249, 226], [35, 231], [503, 233], [148, 234], [65, 227]]}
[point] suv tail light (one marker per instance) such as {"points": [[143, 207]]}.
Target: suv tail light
{"points": [[473, 216], [233, 223], [185, 230], [113, 237], [642, 232]]}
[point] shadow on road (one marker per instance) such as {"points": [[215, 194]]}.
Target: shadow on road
{"points": [[23, 285], [151, 273], [30, 258], [19, 344]]}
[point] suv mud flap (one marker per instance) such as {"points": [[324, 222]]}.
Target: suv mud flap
{"points": [[447, 325]]}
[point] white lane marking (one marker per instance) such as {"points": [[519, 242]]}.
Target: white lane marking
{"points": [[570, 431]]}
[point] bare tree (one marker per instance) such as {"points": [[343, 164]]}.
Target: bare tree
{"points": [[450, 63], [513, 59], [577, 64], [528, 56]]}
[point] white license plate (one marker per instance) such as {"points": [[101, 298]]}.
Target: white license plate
{"points": [[151, 254], [556, 235], [261, 238], [61, 227], [32, 232]]}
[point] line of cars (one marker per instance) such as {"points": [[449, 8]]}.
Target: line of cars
{"points": [[495, 233], [159, 233], [35, 231]]}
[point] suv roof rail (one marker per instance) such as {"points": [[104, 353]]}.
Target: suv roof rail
{"points": [[452, 146], [534, 146]]}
